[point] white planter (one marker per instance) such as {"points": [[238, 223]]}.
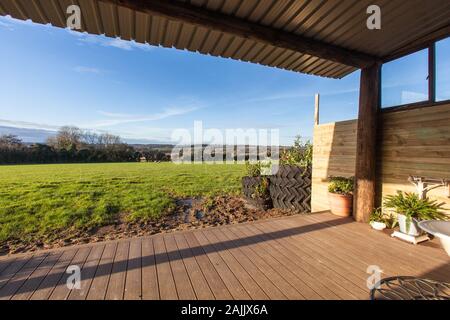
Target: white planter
{"points": [[378, 225], [414, 229]]}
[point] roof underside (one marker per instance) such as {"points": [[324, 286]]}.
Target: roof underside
{"points": [[341, 23]]}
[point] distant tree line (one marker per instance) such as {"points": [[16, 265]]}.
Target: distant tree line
{"points": [[73, 145]]}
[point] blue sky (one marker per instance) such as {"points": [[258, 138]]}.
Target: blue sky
{"points": [[53, 77]]}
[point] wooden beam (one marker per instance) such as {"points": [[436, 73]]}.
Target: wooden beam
{"points": [[365, 175], [316, 109], [180, 11]]}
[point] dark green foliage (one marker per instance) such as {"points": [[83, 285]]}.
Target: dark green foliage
{"points": [[299, 155], [341, 185], [411, 206]]}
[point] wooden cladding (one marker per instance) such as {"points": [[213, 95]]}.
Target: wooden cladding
{"points": [[414, 142], [334, 154], [409, 142]]}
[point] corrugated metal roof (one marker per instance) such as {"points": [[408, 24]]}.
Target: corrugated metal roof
{"points": [[338, 22]]}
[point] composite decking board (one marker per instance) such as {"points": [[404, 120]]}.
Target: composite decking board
{"points": [[167, 288], [351, 268], [260, 278], [313, 289], [273, 274], [369, 256], [404, 260], [182, 281], [246, 280], [99, 285], [133, 282], [263, 252], [198, 280], [215, 282], [36, 278], [150, 288], [234, 286], [297, 257], [421, 253], [321, 247], [5, 263], [15, 282], [62, 291], [297, 267], [326, 276], [12, 269], [87, 274], [116, 284], [403, 263], [325, 272], [46, 287]]}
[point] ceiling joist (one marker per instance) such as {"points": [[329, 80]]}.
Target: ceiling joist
{"points": [[224, 23]]}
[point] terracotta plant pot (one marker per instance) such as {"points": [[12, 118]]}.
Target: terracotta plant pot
{"points": [[341, 204]]}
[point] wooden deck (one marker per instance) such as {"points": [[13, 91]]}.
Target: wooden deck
{"points": [[318, 256]]}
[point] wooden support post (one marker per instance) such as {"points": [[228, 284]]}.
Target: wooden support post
{"points": [[365, 177], [316, 109]]}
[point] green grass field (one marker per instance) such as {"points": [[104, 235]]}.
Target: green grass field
{"points": [[37, 201]]}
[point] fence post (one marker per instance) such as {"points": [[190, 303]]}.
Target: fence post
{"points": [[316, 109]]}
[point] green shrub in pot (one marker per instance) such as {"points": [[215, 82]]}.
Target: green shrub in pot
{"points": [[340, 196], [341, 185], [412, 208]]}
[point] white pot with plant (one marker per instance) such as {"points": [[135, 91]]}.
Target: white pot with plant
{"points": [[377, 220], [380, 220], [411, 209]]}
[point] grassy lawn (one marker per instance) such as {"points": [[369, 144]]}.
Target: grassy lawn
{"points": [[37, 201]]}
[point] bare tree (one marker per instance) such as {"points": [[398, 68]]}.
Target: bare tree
{"points": [[90, 138], [67, 138], [10, 141], [107, 140]]}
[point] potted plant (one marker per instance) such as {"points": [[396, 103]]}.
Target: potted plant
{"points": [[255, 187], [261, 195], [377, 219], [340, 196], [411, 209], [380, 220]]}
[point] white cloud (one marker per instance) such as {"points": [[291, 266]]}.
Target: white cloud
{"points": [[120, 118], [104, 41], [411, 96], [139, 133], [83, 69], [6, 26], [298, 94], [27, 125], [10, 22]]}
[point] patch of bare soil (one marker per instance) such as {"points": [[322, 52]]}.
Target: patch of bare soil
{"points": [[189, 214]]}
